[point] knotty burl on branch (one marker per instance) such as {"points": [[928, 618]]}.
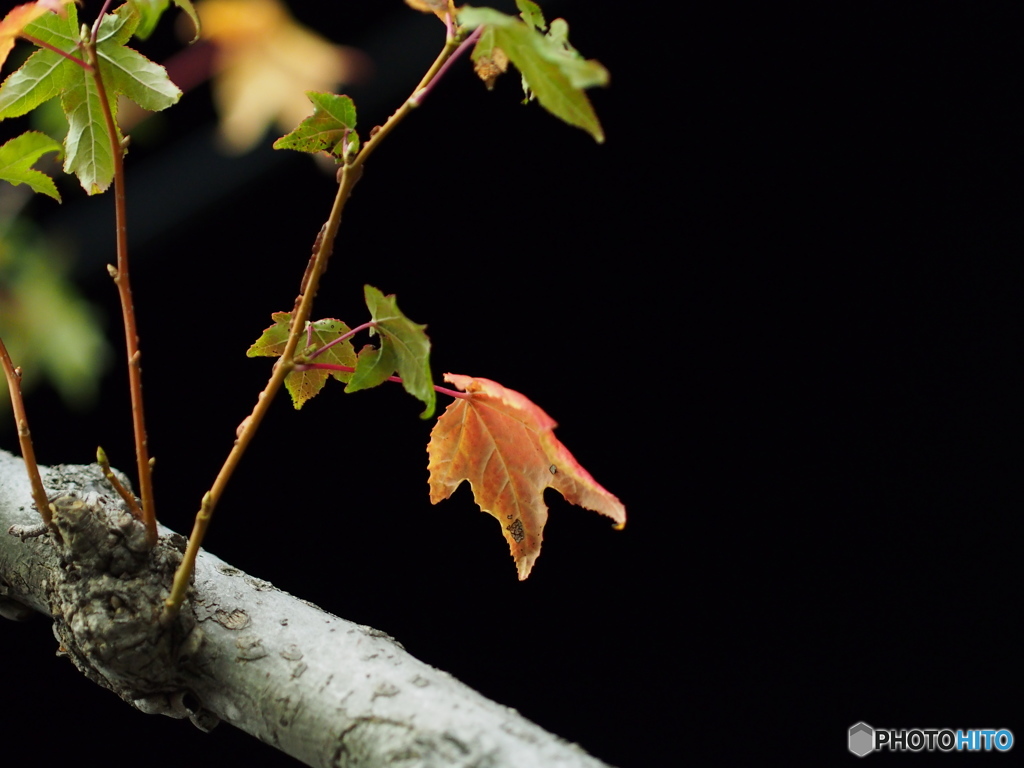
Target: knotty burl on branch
{"points": [[322, 689]]}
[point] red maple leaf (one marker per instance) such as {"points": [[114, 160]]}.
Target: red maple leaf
{"points": [[505, 446]]}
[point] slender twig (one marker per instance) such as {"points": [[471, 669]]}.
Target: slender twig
{"points": [[249, 426], [43, 44], [349, 174], [95, 31], [420, 95], [130, 501], [124, 289], [349, 335], [24, 436], [396, 379], [407, 106]]}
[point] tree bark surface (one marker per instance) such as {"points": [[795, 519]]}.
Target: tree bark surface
{"points": [[322, 689]]}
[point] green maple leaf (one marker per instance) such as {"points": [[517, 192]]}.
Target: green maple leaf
{"points": [[331, 127], [150, 12], [304, 385], [373, 367], [17, 157], [552, 69], [87, 147], [404, 349], [532, 14]]}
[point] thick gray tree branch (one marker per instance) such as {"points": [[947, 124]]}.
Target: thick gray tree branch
{"points": [[322, 689]]}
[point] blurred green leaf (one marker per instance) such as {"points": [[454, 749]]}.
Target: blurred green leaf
{"points": [[19, 154], [532, 14], [150, 12], [50, 330]]}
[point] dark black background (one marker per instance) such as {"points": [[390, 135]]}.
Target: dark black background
{"points": [[777, 313]]}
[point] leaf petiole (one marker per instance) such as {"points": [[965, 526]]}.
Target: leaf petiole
{"points": [[396, 379], [422, 93], [70, 57], [328, 345]]}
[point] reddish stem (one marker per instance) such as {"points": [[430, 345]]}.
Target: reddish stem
{"points": [[43, 44], [347, 369], [124, 290], [349, 335], [95, 32], [421, 94]]}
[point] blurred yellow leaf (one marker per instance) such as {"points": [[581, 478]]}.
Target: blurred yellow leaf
{"points": [[265, 63], [439, 8]]}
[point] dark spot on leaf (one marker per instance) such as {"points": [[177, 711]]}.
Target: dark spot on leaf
{"points": [[516, 529]]}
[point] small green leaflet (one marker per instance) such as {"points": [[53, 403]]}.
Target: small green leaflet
{"points": [[554, 71], [150, 12], [404, 348], [304, 385], [532, 14], [373, 367], [17, 157], [87, 147], [331, 127]]}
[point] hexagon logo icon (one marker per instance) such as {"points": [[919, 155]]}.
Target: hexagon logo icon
{"points": [[862, 739]]}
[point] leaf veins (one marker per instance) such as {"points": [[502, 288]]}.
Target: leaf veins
{"points": [[303, 385], [47, 74], [504, 446]]}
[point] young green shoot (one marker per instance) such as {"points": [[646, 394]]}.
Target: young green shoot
{"points": [[126, 496]]}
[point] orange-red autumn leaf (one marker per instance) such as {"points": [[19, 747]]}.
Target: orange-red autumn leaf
{"points": [[505, 446], [20, 17]]}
